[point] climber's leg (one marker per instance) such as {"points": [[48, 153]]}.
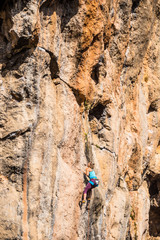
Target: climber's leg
{"points": [[89, 194], [87, 188]]}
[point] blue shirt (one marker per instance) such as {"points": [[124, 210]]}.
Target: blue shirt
{"points": [[92, 175]]}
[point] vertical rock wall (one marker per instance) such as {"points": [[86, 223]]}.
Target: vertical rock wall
{"points": [[80, 81]]}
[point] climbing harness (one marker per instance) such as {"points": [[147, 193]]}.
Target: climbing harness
{"points": [[96, 182]]}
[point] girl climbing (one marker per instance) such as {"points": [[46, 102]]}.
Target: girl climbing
{"points": [[93, 182]]}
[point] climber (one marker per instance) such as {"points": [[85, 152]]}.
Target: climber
{"points": [[93, 182]]}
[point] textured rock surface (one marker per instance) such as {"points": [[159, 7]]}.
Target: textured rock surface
{"points": [[80, 81]]}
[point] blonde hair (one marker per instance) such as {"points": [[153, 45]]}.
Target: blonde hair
{"points": [[91, 165]]}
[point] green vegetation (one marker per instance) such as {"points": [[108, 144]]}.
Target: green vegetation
{"points": [[87, 105], [97, 146], [132, 214], [86, 137]]}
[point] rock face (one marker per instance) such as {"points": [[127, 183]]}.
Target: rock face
{"points": [[80, 82]]}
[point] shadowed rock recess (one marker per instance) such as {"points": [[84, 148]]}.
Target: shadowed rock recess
{"points": [[79, 82]]}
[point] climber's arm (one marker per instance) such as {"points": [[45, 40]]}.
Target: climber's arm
{"points": [[87, 172]]}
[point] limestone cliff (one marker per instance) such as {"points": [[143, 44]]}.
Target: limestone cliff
{"points": [[79, 82]]}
